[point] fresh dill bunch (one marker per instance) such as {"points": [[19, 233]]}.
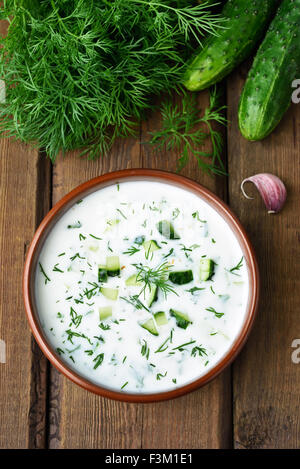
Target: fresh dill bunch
{"points": [[182, 130], [158, 276], [79, 73]]}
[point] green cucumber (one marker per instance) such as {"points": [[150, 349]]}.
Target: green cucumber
{"points": [[150, 246], [167, 230], [245, 23], [161, 318], [150, 326], [105, 312], [110, 293], [102, 273], [153, 295], [181, 277], [133, 282], [207, 268], [113, 266], [182, 319], [267, 93]]}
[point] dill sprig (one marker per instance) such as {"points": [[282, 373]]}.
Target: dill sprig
{"points": [[155, 276], [159, 376], [79, 73], [198, 350], [237, 267], [72, 334], [181, 347], [89, 293], [47, 279], [194, 290], [145, 350], [104, 327], [75, 318], [99, 359], [56, 269], [182, 130], [216, 313], [163, 347], [135, 301], [131, 251]]}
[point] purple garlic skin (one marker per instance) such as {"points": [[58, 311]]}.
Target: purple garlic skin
{"points": [[271, 189]]}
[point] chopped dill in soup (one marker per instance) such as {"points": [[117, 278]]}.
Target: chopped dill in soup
{"points": [[141, 287]]}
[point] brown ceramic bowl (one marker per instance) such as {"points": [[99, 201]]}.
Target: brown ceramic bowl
{"points": [[87, 188]]}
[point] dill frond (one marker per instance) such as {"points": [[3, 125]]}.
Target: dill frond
{"points": [[80, 73], [182, 130], [158, 276]]}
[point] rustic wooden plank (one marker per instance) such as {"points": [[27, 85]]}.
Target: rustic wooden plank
{"points": [[39, 363], [26, 186], [77, 418], [203, 418], [266, 382], [22, 377]]}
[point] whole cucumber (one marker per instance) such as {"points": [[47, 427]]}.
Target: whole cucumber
{"points": [[245, 22], [267, 93]]}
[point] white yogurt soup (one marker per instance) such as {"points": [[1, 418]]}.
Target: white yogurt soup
{"points": [[141, 287]]}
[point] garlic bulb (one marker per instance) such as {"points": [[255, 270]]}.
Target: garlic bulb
{"points": [[271, 188]]}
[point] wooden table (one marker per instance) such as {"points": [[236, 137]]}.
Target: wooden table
{"points": [[253, 404]]}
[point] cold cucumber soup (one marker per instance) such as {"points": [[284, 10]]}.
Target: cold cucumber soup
{"points": [[141, 287]]}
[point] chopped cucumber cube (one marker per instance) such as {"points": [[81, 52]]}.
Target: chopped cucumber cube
{"points": [[181, 277], [207, 267], [110, 293], [152, 295], [102, 273], [150, 246], [150, 326], [161, 318], [166, 229], [182, 319], [113, 266], [105, 312], [133, 282]]}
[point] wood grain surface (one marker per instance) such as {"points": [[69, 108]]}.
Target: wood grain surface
{"points": [[255, 404], [265, 381], [23, 376]]}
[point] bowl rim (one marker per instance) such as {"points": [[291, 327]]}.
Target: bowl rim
{"points": [[109, 179]]}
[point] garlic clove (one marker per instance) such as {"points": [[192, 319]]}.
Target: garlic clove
{"points": [[271, 188]]}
